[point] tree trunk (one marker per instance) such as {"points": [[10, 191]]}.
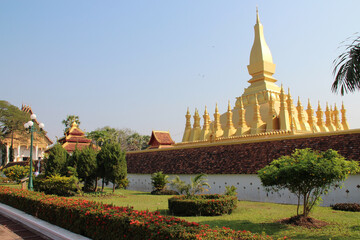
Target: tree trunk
{"points": [[96, 184], [305, 213], [103, 183], [113, 186]]}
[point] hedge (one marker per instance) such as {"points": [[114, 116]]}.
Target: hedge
{"points": [[202, 205], [351, 207], [102, 221]]}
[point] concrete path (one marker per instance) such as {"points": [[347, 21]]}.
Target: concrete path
{"points": [[47, 230], [11, 230]]}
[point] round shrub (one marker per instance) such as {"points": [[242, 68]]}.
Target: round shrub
{"points": [[351, 207], [202, 205], [57, 185]]}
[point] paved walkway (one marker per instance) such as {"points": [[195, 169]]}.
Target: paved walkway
{"points": [[11, 230]]}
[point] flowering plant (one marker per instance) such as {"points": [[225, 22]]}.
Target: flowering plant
{"points": [[103, 221]]}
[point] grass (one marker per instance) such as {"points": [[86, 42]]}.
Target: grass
{"points": [[253, 216], [256, 217]]}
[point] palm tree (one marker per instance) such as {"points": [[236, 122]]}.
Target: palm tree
{"points": [[347, 69]]}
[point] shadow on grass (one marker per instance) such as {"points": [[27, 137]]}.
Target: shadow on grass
{"points": [[268, 228], [142, 193], [325, 237]]}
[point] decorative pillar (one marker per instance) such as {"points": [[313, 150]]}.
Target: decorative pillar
{"points": [[257, 122], [284, 114], [310, 112], [329, 123], [303, 124], [217, 125], [187, 131], [242, 126], [320, 121], [230, 129], [195, 132], [337, 123], [7, 153], [205, 132], [343, 118]]}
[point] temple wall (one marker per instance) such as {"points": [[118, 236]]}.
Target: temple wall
{"points": [[236, 163], [249, 188]]}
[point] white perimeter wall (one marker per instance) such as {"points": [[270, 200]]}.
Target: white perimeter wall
{"points": [[249, 188]]}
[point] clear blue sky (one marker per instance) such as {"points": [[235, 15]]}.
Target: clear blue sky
{"points": [[140, 64]]}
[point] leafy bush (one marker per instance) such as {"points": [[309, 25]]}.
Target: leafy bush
{"points": [[230, 191], [159, 181], [57, 185], [16, 172], [97, 221], [351, 207], [55, 162], [202, 205], [196, 185]]}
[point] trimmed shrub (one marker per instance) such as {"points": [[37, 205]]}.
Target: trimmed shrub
{"points": [[351, 207], [57, 185], [103, 221], [17, 172], [202, 205]]}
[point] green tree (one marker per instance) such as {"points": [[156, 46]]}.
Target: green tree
{"points": [[12, 119], [197, 184], [347, 69], [69, 120], [86, 168], [137, 142], [104, 135], [56, 161], [159, 180], [114, 160], [308, 174]]}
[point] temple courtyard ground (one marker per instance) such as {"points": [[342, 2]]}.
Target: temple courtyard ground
{"points": [[256, 217]]}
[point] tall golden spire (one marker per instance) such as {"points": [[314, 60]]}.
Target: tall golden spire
{"points": [[229, 129], [242, 127], [343, 117], [217, 125], [320, 119], [196, 131], [257, 122], [187, 131], [261, 65], [329, 123]]}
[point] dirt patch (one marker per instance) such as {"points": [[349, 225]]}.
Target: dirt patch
{"points": [[302, 221]]}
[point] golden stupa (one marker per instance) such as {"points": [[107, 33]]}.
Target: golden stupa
{"points": [[264, 109]]}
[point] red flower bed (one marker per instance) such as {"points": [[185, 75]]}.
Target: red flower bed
{"points": [[103, 221]]}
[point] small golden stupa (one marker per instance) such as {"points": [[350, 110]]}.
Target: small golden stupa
{"points": [[264, 109]]}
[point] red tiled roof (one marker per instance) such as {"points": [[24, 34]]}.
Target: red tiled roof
{"points": [[160, 138], [76, 131], [70, 147], [78, 139]]}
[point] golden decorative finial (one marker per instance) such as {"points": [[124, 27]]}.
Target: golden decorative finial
{"points": [[206, 111], [257, 15], [299, 103], [319, 108], [216, 108], [229, 107], [188, 112], [309, 105]]}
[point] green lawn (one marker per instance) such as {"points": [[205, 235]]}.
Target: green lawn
{"points": [[254, 216]]}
